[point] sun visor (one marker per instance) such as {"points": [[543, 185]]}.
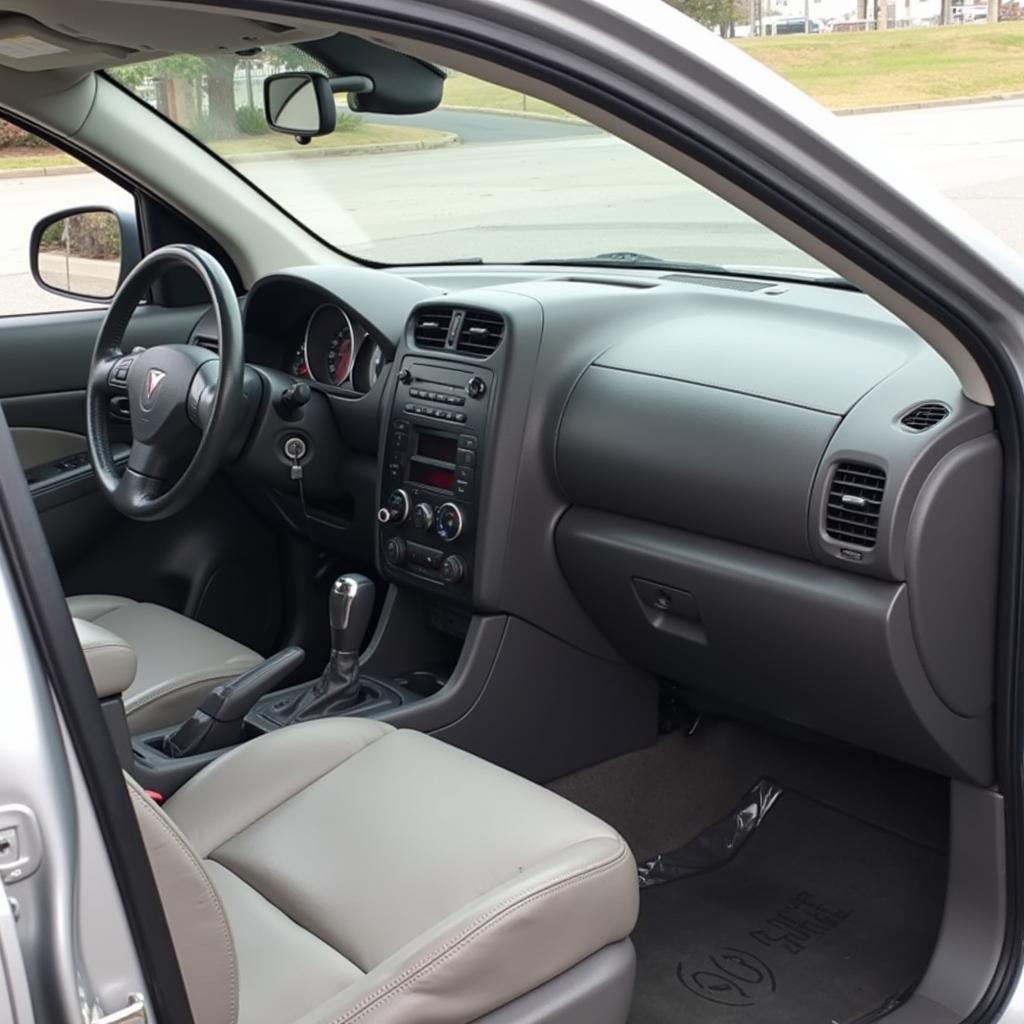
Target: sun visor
{"points": [[26, 45]]}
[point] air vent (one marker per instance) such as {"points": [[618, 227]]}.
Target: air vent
{"points": [[210, 344], [923, 416], [854, 504], [431, 328], [481, 333]]}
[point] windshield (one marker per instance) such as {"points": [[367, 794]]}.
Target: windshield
{"points": [[491, 175]]}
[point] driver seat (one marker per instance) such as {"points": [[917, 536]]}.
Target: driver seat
{"points": [[179, 660]]}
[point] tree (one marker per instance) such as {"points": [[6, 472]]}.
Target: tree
{"points": [[720, 14]]}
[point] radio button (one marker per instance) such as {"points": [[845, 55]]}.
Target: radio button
{"points": [[465, 473], [465, 458], [467, 441]]}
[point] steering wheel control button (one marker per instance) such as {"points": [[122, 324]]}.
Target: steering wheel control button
{"points": [[396, 508], [395, 551], [118, 375], [423, 516], [476, 387], [449, 522], [453, 569]]}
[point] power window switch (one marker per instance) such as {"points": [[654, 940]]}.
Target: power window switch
{"points": [[9, 853]]}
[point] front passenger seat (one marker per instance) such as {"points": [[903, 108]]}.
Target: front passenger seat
{"points": [[344, 872], [179, 660]]}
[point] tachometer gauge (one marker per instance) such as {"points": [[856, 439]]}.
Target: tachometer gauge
{"points": [[300, 368], [329, 345]]}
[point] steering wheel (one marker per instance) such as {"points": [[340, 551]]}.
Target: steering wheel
{"points": [[169, 390]]}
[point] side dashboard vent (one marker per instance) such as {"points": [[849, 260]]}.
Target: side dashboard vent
{"points": [[923, 416], [431, 327], [855, 504], [480, 334], [210, 344]]}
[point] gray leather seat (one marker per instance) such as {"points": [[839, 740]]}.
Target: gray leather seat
{"points": [[341, 871], [178, 660]]}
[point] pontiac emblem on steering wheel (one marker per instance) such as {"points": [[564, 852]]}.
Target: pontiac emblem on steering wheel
{"points": [[153, 380]]}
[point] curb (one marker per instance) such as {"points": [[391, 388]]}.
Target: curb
{"points": [[43, 172], [446, 139], [956, 101], [529, 115]]}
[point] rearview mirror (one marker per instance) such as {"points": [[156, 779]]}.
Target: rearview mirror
{"points": [[300, 103], [81, 253]]}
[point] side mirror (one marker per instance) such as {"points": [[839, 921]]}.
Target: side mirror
{"points": [[83, 253], [300, 103]]}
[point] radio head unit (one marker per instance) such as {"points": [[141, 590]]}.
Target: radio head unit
{"points": [[430, 483]]}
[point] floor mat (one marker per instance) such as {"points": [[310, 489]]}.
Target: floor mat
{"points": [[819, 919]]}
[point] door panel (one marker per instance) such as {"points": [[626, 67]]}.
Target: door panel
{"points": [[45, 363]]}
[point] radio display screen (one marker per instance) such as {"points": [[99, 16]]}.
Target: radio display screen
{"points": [[432, 476], [437, 446]]}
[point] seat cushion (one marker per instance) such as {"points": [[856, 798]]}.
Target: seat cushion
{"points": [[179, 660], [381, 875]]}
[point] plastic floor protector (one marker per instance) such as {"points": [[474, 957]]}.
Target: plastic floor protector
{"points": [[785, 910]]}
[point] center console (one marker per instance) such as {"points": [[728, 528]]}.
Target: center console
{"points": [[432, 468]]}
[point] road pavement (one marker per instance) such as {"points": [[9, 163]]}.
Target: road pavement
{"points": [[522, 188]]}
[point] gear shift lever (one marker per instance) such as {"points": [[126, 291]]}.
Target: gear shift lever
{"points": [[350, 608]]}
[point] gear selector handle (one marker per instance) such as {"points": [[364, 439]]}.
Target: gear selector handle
{"points": [[350, 607]]}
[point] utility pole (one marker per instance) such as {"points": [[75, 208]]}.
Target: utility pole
{"points": [[807, 17]]}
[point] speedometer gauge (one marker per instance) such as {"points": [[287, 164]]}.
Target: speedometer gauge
{"points": [[330, 343]]}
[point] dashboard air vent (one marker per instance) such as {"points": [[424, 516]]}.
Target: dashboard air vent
{"points": [[210, 344], [431, 327], [481, 333], [923, 416], [854, 504]]}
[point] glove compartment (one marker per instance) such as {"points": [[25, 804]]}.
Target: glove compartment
{"points": [[711, 460]]}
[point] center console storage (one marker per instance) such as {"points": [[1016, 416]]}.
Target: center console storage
{"points": [[430, 482]]}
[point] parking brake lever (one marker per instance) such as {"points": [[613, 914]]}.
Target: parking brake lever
{"points": [[218, 721]]}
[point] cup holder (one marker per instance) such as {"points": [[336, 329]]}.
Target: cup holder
{"points": [[423, 683]]}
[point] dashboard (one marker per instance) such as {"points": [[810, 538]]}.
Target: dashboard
{"points": [[775, 496]]}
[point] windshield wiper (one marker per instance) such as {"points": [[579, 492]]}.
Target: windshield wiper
{"points": [[641, 261]]}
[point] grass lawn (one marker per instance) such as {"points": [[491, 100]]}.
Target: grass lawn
{"points": [[24, 158], [860, 69], [21, 157], [466, 91], [850, 69]]}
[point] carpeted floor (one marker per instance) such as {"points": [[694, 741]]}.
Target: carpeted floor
{"points": [[828, 912]]}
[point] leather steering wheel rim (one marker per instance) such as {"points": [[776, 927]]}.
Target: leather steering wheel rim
{"points": [[164, 386]]}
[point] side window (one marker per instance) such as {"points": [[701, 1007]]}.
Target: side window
{"points": [[37, 181]]}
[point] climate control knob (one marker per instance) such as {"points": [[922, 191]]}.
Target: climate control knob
{"points": [[449, 522], [423, 516], [453, 569], [395, 509], [395, 551]]}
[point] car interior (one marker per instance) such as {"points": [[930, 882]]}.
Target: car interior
{"points": [[519, 643]]}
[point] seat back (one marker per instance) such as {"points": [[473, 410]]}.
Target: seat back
{"points": [[195, 915]]}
